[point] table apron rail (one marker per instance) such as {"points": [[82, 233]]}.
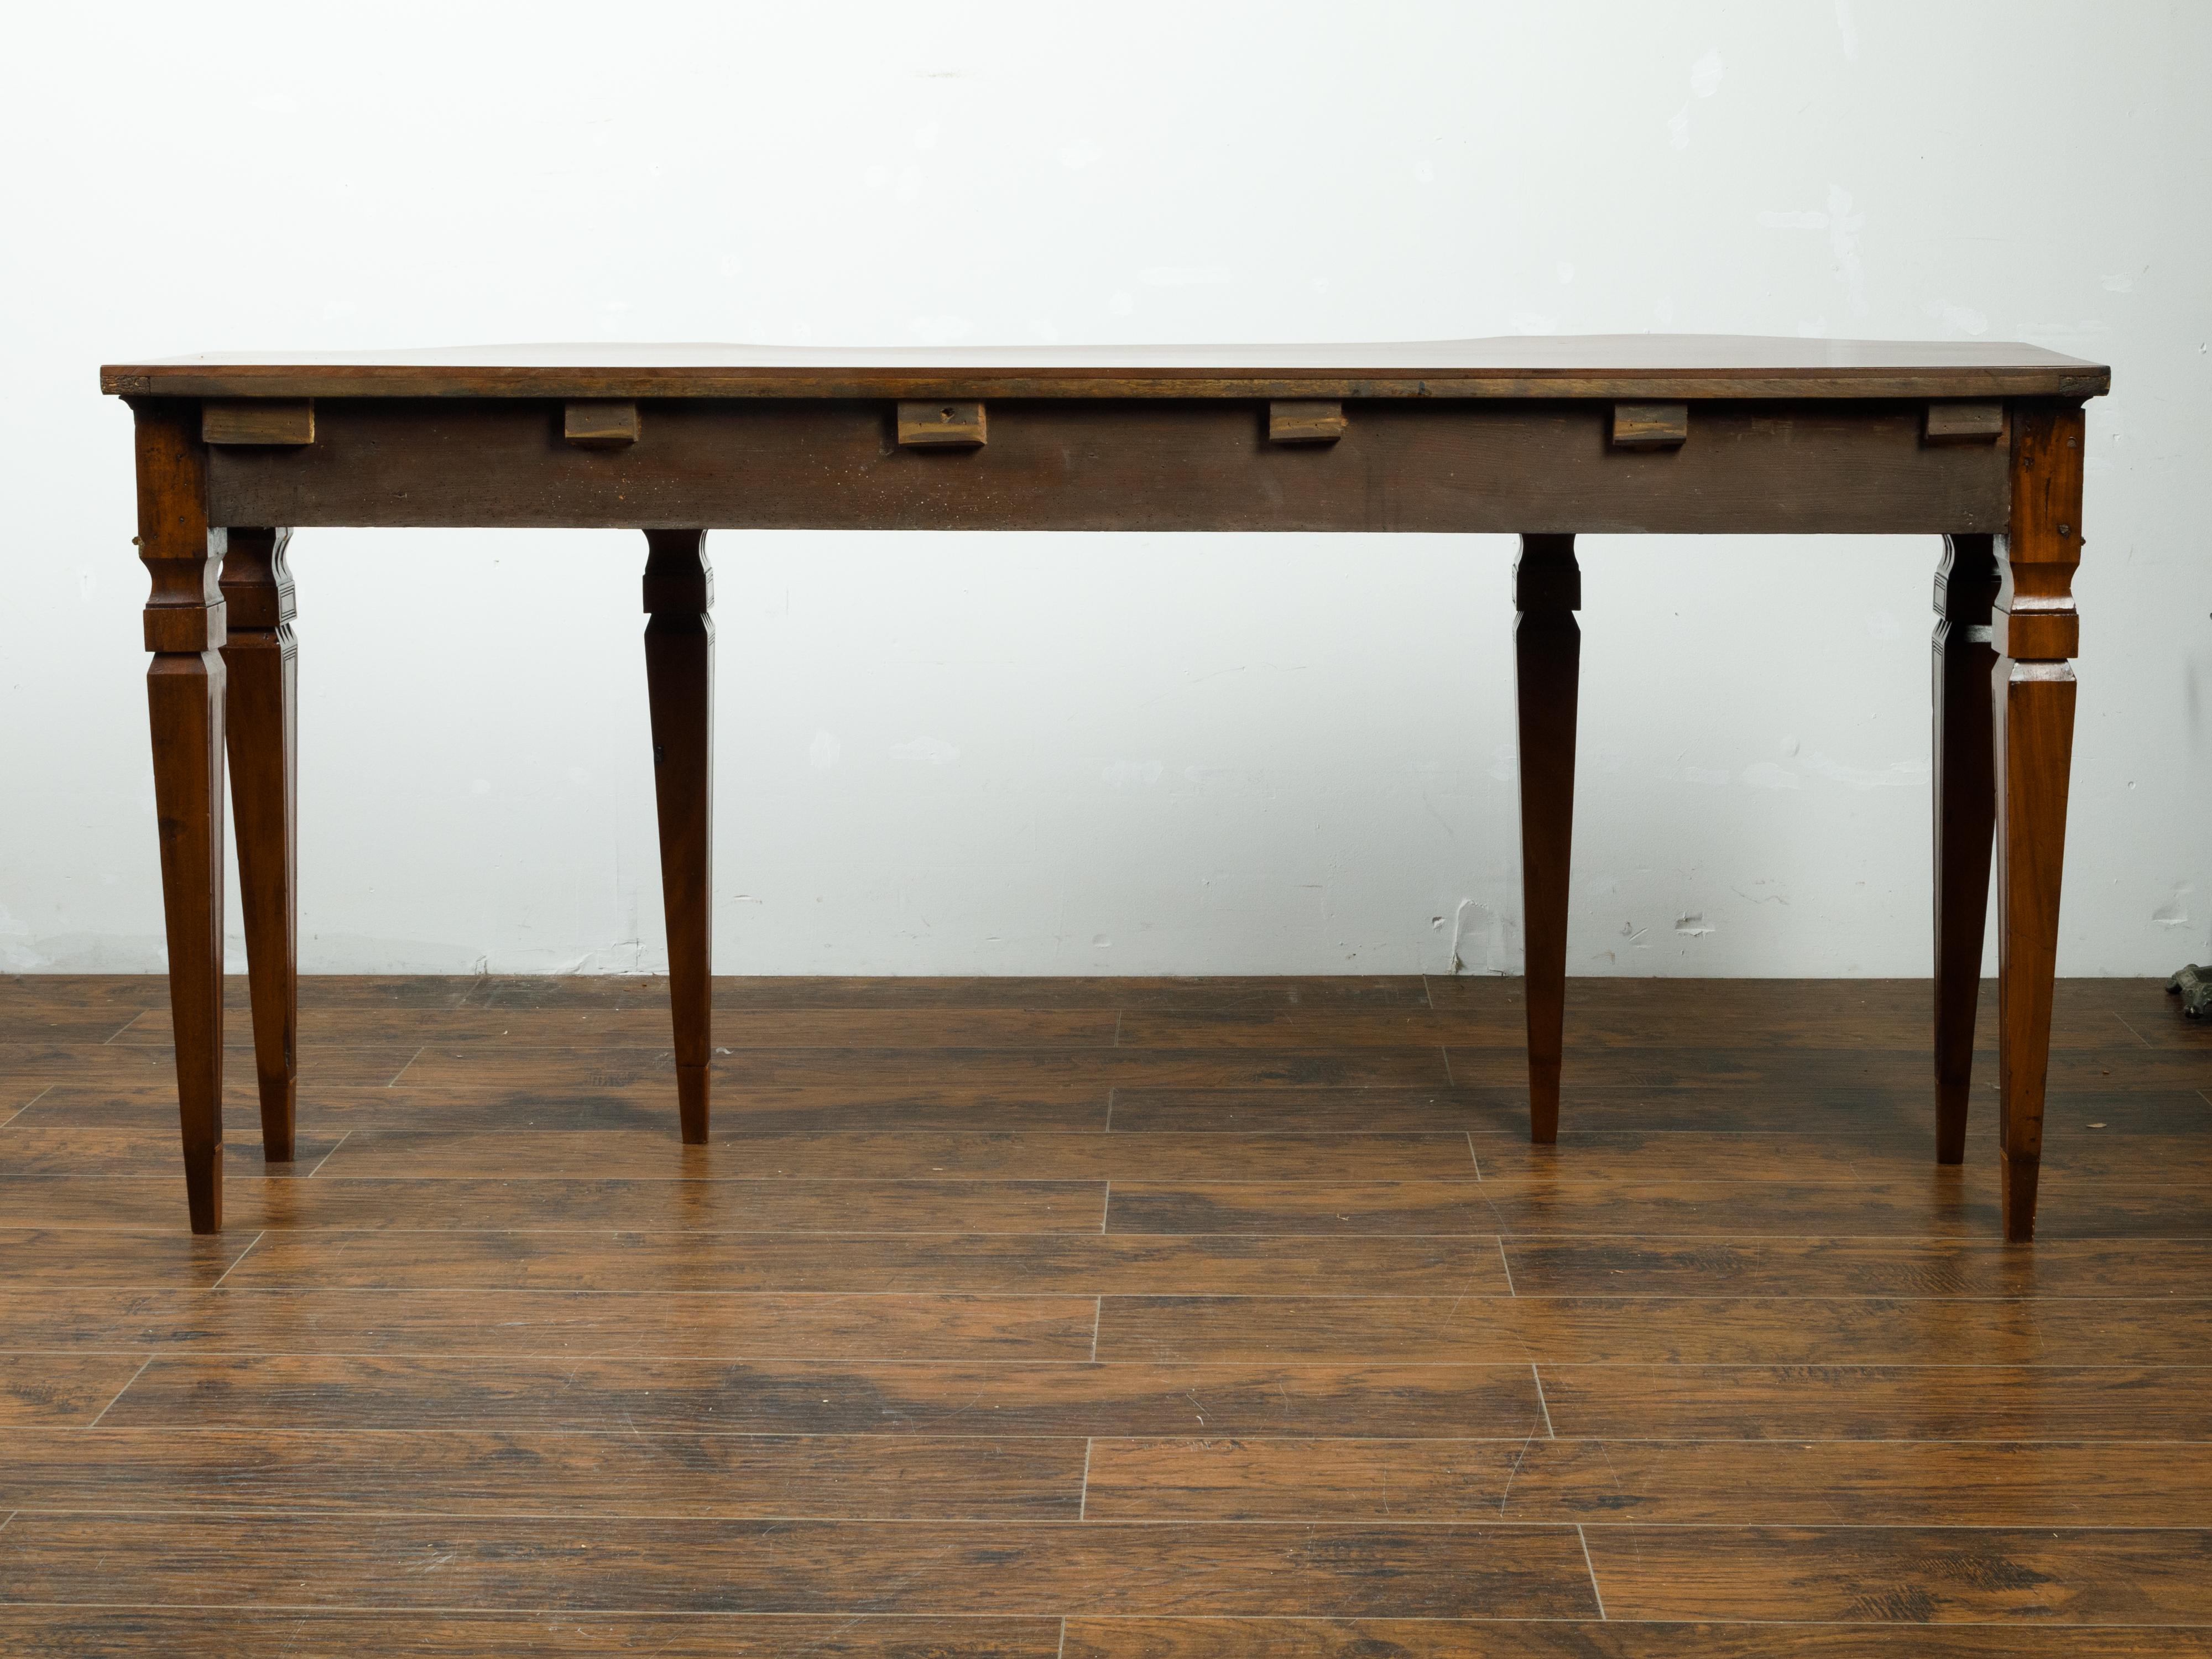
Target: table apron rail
{"points": [[1197, 465]]}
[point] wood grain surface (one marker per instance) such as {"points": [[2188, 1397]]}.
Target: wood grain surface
{"points": [[1418, 464], [1126, 1320], [1592, 366]]}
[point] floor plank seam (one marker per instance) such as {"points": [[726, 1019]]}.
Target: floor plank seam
{"points": [[1506, 1262], [116, 1034], [239, 1257], [27, 1105], [1537, 1378], [328, 1156], [393, 1082], [1083, 1495], [203, 1431], [311, 1232], [1285, 1523], [2128, 1025], [1582, 1538], [1263, 1437], [387, 1610], [955, 1291], [121, 1392], [1231, 1361], [305, 1232], [390, 1611]]}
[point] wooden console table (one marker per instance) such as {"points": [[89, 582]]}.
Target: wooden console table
{"points": [[1978, 444]]}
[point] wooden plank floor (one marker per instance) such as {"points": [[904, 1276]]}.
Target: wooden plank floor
{"points": [[1103, 1318]]}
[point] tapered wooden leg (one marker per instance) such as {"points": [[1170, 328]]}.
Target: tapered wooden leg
{"points": [[2036, 631], [262, 663], [1547, 591], [184, 622], [1966, 812], [679, 673]]}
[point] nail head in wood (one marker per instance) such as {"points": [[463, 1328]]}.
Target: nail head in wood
{"points": [[600, 425], [1650, 426], [273, 421], [1965, 424], [935, 426], [1305, 421]]}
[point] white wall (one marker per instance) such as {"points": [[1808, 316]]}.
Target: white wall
{"points": [[1038, 754]]}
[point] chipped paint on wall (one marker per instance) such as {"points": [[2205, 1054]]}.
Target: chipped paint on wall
{"points": [[1479, 941]]}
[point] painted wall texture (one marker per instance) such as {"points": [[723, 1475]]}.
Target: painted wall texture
{"points": [[962, 754]]}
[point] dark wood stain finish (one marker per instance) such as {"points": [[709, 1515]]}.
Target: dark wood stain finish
{"points": [[1965, 817], [1907, 1575], [261, 662], [791, 1566], [679, 675], [493, 1378], [1443, 1638], [1179, 464], [2034, 631], [1547, 438], [119, 1633], [1548, 644], [183, 552]]}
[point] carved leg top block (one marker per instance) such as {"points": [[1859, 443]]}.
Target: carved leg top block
{"points": [[677, 574]]}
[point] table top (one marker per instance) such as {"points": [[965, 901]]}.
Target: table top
{"points": [[1618, 366]]}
